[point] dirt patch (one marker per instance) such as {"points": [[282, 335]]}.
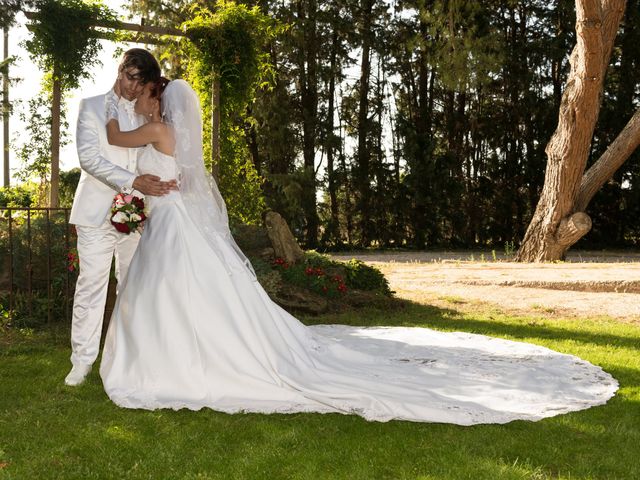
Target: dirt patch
{"points": [[589, 284]]}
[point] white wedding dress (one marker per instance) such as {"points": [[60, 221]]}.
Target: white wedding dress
{"points": [[187, 333], [192, 328]]}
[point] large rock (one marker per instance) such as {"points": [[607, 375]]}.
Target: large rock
{"points": [[282, 240]]}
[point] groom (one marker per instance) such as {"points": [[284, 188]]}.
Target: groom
{"points": [[106, 170]]}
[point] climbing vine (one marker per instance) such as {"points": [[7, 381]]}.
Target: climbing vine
{"points": [[63, 40], [228, 41]]}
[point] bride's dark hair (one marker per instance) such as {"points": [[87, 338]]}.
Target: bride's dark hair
{"points": [[158, 87]]}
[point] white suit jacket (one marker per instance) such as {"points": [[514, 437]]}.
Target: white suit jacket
{"points": [[106, 169]]}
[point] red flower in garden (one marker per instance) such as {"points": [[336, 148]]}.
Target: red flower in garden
{"points": [[73, 261], [280, 262]]}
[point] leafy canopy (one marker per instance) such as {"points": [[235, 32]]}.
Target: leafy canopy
{"points": [[63, 41]]}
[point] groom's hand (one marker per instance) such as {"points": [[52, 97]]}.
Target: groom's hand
{"points": [[152, 185]]}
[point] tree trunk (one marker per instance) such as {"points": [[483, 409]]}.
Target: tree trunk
{"points": [[55, 141], [251, 136], [334, 222], [5, 110], [557, 223], [307, 11], [363, 183], [215, 127]]}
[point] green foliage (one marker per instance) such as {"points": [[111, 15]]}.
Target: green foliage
{"points": [[40, 251], [35, 154], [365, 277], [23, 195], [267, 276], [324, 278], [68, 184], [509, 249], [9, 9], [63, 43], [227, 42], [462, 44], [331, 278], [239, 184], [34, 194]]}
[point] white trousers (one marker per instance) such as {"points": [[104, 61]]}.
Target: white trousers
{"points": [[96, 248]]}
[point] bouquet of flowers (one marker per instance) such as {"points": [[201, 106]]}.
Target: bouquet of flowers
{"points": [[128, 213]]}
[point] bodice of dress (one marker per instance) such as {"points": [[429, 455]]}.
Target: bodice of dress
{"points": [[153, 162]]}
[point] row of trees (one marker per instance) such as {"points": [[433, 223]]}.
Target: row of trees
{"points": [[428, 122]]}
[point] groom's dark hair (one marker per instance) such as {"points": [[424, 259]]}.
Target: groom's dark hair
{"points": [[147, 65]]}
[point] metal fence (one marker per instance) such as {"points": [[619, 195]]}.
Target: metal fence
{"points": [[38, 274]]}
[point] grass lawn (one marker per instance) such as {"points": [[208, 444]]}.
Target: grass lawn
{"points": [[51, 431]]}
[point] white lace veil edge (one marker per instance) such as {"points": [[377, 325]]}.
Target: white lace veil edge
{"points": [[200, 193]]}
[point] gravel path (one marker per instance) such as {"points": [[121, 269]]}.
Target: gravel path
{"points": [[588, 284]]}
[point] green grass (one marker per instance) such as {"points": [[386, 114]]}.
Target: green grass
{"points": [[49, 431]]}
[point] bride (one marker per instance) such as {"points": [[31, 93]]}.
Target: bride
{"points": [[192, 327]]}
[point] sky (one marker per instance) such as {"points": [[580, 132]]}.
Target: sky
{"points": [[30, 77]]}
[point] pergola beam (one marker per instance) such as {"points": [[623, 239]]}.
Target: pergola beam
{"points": [[131, 27]]}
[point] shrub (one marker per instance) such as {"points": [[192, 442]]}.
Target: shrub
{"points": [[331, 278], [365, 277]]}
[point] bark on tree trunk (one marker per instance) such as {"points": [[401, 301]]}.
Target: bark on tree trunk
{"points": [[5, 110], [364, 205], [557, 223], [334, 223], [309, 100], [252, 142], [55, 141]]}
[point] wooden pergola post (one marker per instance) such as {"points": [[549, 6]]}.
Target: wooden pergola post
{"points": [[54, 200]]}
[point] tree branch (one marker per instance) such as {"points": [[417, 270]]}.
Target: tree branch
{"points": [[611, 160]]}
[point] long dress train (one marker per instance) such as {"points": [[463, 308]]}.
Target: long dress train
{"points": [[188, 333]]}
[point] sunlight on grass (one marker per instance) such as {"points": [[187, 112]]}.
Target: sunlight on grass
{"points": [[452, 299], [120, 433], [49, 431]]}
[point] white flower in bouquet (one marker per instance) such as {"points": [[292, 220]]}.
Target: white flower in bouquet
{"points": [[120, 217], [128, 213]]}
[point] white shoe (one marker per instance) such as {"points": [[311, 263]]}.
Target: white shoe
{"points": [[77, 375]]}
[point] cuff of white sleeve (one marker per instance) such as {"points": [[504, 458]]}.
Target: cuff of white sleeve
{"points": [[127, 188]]}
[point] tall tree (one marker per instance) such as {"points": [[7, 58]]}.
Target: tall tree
{"points": [[8, 11], [308, 80], [363, 173], [559, 220]]}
